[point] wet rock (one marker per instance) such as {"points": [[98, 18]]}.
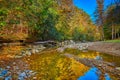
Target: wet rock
{"points": [[26, 74], [34, 78], [84, 50], [8, 67], [14, 63], [98, 58], [17, 68], [60, 49], [22, 76], [33, 51], [8, 78], [107, 77], [22, 52], [99, 65], [16, 72], [3, 72], [28, 53], [36, 50], [18, 56], [118, 68]]}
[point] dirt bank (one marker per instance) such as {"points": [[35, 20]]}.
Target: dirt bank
{"points": [[105, 47]]}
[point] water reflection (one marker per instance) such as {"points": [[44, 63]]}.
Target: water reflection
{"points": [[93, 74], [107, 77], [95, 55]]}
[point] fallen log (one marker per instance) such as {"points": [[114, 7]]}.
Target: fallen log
{"points": [[46, 43]]}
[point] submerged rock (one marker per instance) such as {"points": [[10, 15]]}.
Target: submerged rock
{"points": [[8, 78], [18, 56], [6, 74], [3, 72], [22, 76], [98, 58]]}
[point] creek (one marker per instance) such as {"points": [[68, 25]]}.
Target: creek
{"points": [[49, 64]]}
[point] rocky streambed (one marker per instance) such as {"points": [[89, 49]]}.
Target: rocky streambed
{"points": [[15, 70]]}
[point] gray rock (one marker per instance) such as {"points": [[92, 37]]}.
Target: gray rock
{"points": [[60, 49], [28, 53], [98, 58], [33, 51], [18, 56], [8, 78], [8, 67], [118, 68], [22, 76]]}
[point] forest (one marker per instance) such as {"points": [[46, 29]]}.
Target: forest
{"points": [[59, 40], [33, 20]]}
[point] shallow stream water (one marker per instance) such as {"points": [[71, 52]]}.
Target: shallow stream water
{"points": [[52, 65]]}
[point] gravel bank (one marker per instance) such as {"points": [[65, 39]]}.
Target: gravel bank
{"points": [[105, 47]]}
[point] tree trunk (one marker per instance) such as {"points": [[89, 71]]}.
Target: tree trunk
{"points": [[118, 35], [115, 33], [112, 31], [102, 33]]}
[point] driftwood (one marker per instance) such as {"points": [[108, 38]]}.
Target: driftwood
{"points": [[43, 42], [101, 65], [46, 43]]}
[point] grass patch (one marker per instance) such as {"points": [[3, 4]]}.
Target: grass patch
{"points": [[113, 41]]}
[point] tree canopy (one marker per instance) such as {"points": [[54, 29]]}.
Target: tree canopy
{"points": [[45, 20]]}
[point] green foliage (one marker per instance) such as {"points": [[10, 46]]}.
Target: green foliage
{"points": [[112, 22], [2, 23], [77, 35]]}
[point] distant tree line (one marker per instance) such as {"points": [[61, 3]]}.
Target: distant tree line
{"points": [[108, 19]]}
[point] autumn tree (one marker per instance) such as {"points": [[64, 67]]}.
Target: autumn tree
{"points": [[99, 16], [33, 20]]}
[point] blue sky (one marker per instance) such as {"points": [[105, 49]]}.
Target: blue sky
{"points": [[88, 5]]}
